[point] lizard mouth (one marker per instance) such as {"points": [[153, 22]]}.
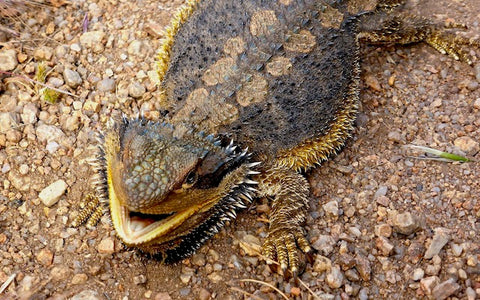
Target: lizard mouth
{"points": [[136, 228]]}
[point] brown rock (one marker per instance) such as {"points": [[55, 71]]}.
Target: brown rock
{"points": [[405, 223], [45, 257], [106, 246], [79, 278], [384, 245], [363, 267], [445, 289]]}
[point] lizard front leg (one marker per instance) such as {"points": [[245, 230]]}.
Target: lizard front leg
{"points": [[385, 28], [289, 191]]}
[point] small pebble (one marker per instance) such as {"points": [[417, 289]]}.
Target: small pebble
{"points": [[324, 244], [43, 53], [47, 133], [45, 257], [418, 274], [476, 104], [363, 267], [72, 78], [331, 208], [384, 245], [8, 60], [395, 136], [79, 278], [467, 144], [440, 238], [471, 294], [106, 85], [428, 284], [456, 249], [204, 294], [52, 193], [136, 90], [322, 264], [139, 279], [383, 230], [382, 191], [405, 223], [335, 278], [106, 246], [93, 40]]}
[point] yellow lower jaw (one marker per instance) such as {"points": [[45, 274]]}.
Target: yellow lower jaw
{"points": [[121, 223]]}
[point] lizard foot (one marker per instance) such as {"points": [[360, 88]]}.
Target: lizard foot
{"points": [[282, 244], [91, 211], [451, 44]]}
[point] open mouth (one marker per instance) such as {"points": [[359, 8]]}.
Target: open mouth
{"points": [[137, 228], [140, 221]]}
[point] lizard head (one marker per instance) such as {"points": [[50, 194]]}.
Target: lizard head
{"points": [[169, 189]]}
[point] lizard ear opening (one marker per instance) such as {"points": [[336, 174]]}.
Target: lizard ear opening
{"points": [[215, 166]]}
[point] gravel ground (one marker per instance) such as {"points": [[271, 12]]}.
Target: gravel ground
{"points": [[386, 224]]}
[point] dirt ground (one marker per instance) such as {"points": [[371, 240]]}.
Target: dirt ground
{"points": [[385, 223]]}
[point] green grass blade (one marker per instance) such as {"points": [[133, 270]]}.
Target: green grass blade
{"points": [[440, 154]]}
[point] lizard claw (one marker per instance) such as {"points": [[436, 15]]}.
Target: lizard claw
{"points": [[451, 45], [282, 245], [90, 211]]}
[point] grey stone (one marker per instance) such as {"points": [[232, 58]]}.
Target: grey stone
{"points": [[106, 85], [8, 120], [52, 146], [471, 294], [331, 208], [445, 289], [8, 60], [417, 274], [335, 278], [477, 72], [440, 238], [55, 82], [29, 113], [48, 133], [72, 78], [324, 244], [382, 191]]}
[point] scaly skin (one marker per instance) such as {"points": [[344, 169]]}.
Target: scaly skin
{"points": [[279, 78]]}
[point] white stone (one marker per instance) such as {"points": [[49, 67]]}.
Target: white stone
{"points": [[8, 60], [52, 193]]}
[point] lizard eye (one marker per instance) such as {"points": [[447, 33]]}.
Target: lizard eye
{"points": [[190, 180]]}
